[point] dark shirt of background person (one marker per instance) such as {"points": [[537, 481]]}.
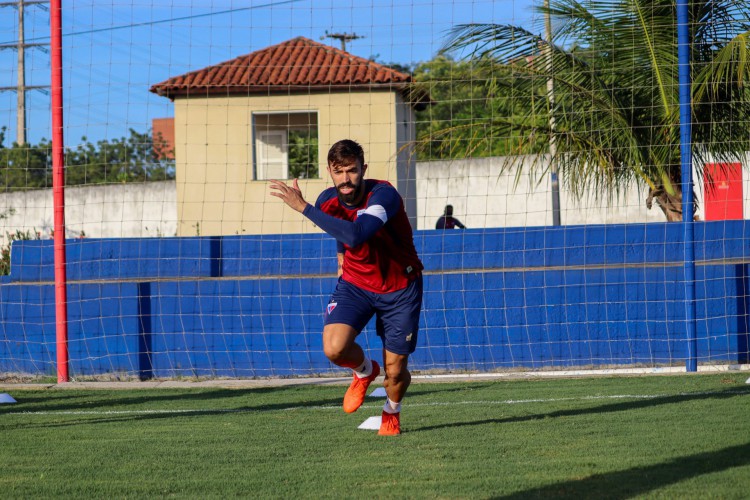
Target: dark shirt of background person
{"points": [[447, 221]]}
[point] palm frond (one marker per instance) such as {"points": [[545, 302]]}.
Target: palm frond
{"points": [[613, 97]]}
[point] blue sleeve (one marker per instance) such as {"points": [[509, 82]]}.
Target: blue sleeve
{"points": [[387, 197], [349, 233]]}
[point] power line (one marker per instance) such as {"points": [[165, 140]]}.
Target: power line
{"points": [[171, 20]]}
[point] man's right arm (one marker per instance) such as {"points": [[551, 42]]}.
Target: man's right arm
{"points": [[350, 233]]}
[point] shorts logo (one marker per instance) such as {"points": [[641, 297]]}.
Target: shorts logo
{"points": [[330, 307], [408, 337]]}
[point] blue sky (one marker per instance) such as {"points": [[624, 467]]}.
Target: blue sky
{"points": [[114, 51]]}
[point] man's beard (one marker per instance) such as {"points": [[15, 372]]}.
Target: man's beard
{"points": [[350, 198]]}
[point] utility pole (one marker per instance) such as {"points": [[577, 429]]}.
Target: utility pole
{"points": [[555, 184], [21, 87], [342, 37]]}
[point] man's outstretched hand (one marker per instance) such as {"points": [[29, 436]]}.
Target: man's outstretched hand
{"points": [[291, 195]]}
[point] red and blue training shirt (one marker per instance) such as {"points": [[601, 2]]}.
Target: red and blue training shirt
{"points": [[375, 237]]}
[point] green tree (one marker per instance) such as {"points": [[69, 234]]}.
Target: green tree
{"points": [[615, 98], [136, 158], [303, 154], [24, 166], [466, 100], [128, 159]]}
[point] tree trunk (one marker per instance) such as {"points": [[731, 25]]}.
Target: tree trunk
{"points": [[670, 204]]}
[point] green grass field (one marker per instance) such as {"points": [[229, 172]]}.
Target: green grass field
{"points": [[684, 436]]}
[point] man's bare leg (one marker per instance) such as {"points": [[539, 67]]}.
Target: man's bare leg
{"points": [[340, 347], [397, 380]]}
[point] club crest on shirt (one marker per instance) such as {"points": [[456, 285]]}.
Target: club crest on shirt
{"points": [[330, 307]]}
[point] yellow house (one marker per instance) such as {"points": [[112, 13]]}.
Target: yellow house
{"points": [[259, 116]]}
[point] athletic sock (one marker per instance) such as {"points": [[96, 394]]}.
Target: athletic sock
{"points": [[365, 369], [391, 407]]}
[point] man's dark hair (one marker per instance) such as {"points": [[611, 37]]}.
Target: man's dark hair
{"points": [[346, 152], [448, 210]]}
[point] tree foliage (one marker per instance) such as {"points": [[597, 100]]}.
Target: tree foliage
{"points": [[136, 158], [303, 154], [613, 110], [466, 100]]}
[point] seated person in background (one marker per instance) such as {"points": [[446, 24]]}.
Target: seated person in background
{"points": [[447, 221]]}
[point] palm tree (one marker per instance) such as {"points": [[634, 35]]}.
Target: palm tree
{"points": [[616, 97]]}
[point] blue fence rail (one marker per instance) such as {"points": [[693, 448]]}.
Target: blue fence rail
{"points": [[508, 298]]}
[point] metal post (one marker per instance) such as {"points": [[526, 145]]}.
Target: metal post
{"points": [[58, 191], [555, 181], [686, 155], [21, 92]]}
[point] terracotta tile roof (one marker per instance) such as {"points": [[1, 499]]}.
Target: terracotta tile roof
{"points": [[297, 65]]}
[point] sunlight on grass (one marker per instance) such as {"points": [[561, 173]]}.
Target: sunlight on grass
{"points": [[658, 436]]}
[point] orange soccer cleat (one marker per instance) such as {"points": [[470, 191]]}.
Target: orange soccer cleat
{"points": [[390, 424], [355, 394]]}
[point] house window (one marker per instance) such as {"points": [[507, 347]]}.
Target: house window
{"points": [[286, 145], [271, 154]]}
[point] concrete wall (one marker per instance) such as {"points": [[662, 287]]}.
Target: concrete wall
{"points": [[480, 194], [483, 196], [113, 211]]}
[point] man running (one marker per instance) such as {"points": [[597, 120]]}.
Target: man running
{"points": [[379, 274]]}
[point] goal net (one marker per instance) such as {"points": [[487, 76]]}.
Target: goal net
{"points": [[536, 145]]}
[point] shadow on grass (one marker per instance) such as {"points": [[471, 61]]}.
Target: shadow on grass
{"points": [[90, 416], [114, 407], [106, 400], [91, 400], [90, 407], [642, 480], [606, 408]]}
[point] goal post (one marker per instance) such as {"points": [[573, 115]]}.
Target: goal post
{"points": [[58, 190]]}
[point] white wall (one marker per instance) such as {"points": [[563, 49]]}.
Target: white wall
{"points": [[481, 197], [112, 211]]}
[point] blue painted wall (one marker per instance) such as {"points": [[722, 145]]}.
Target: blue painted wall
{"points": [[252, 306]]}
